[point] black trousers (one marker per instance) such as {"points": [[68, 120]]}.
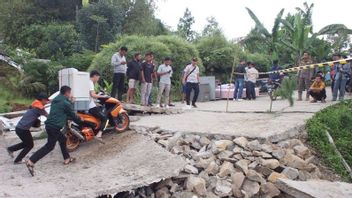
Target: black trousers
{"points": [[189, 88], [54, 135], [318, 95], [26, 145], [250, 90], [118, 85], [96, 112]]}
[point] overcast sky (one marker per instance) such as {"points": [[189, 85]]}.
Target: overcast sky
{"points": [[234, 20]]}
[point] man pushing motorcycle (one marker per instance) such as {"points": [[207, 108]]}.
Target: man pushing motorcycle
{"points": [[94, 108]]}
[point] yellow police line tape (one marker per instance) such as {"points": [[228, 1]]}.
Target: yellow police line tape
{"points": [[311, 66]]}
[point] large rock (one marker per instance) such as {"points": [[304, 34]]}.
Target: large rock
{"points": [[274, 176], [269, 190], [250, 187], [204, 163], [301, 151], [226, 169], [237, 150], [290, 172], [315, 188], [254, 176], [263, 170], [225, 154], [223, 188], [278, 153], [221, 145], [242, 165], [270, 163], [262, 154], [162, 193], [241, 141], [190, 169], [296, 162], [237, 181], [267, 148], [212, 168], [254, 145], [204, 141], [196, 184]]}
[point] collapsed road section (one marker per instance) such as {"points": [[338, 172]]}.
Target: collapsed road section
{"points": [[127, 161]]}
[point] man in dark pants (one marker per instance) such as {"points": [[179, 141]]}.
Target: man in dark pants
{"points": [[191, 79], [29, 119], [61, 110], [239, 83], [118, 61]]}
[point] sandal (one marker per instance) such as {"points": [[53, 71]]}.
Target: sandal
{"points": [[10, 153], [70, 160], [30, 168], [99, 139]]}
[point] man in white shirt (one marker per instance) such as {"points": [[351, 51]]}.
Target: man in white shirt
{"points": [[118, 62], [165, 73], [191, 80], [252, 75], [94, 109]]}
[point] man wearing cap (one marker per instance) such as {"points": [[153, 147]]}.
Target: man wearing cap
{"points": [[191, 79], [28, 120]]}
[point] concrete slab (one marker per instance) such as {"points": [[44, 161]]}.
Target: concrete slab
{"points": [[126, 161], [315, 188], [247, 118]]}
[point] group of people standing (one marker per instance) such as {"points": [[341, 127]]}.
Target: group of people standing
{"points": [[145, 72], [339, 75], [246, 76]]}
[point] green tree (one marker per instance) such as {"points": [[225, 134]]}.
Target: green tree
{"points": [[140, 20], [98, 23], [184, 27], [212, 27], [51, 41], [260, 33]]}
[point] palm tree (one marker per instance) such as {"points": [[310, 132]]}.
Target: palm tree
{"points": [[260, 33]]}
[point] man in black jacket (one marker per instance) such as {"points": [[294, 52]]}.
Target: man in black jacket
{"points": [[239, 83]]}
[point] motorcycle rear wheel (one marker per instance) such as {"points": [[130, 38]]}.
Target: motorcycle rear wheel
{"points": [[122, 123], [72, 142]]}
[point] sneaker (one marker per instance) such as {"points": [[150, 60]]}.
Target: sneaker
{"points": [[171, 105], [234, 99], [167, 106], [240, 100], [10, 153], [187, 107], [157, 106], [194, 105]]}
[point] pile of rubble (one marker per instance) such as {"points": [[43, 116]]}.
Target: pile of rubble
{"points": [[221, 166]]}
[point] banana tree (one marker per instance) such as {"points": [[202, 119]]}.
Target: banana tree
{"points": [[260, 33]]}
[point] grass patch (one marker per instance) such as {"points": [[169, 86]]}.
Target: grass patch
{"points": [[338, 120]]}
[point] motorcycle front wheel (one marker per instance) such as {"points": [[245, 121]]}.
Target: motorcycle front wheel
{"points": [[122, 122]]}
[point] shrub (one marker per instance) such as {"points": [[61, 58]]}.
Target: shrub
{"points": [[337, 120]]}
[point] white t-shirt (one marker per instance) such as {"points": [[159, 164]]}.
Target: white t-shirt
{"points": [[192, 77], [91, 99], [166, 78]]}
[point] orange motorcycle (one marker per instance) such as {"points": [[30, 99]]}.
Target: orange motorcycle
{"points": [[118, 119]]}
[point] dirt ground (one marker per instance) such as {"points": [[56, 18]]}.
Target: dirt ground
{"points": [[126, 161]]}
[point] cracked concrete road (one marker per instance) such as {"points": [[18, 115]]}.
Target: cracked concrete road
{"points": [[126, 161], [247, 118]]}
